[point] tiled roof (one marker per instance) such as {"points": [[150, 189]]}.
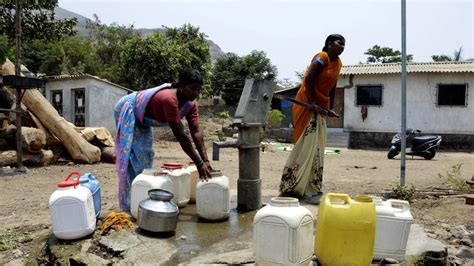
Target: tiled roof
{"points": [[81, 76], [396, 68]]}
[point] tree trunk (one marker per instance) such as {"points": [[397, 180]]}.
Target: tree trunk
{"points": [[33, 139], [43, 158], [79, 148]]}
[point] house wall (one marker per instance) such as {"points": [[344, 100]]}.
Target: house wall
{"points": [[453, 123], [100, 99], [422, 110]]}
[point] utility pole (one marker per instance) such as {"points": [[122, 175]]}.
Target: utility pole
{"points": [[19, 150], [404, 94]]}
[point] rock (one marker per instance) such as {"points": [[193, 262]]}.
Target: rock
{"points": [[183, 237], [120, 241], [17, 253], [86, 245], [465, 253], [466, 242], [70, 163]]}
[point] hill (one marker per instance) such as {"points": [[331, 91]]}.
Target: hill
{"points": [[61, 13]]}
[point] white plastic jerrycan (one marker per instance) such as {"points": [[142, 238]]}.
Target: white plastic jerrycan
{"points": [[72, 209], [393, 222], [283, 233], [148, 179], [213, 197], [194, 179], [181, 179]]}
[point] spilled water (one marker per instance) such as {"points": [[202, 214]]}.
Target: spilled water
{"points": [[194, 235]]}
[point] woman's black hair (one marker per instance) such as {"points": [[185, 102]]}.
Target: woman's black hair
{"points": [[189, 76], [332, 38]]}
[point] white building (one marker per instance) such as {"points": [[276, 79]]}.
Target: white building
{"points": [[84, 100], [439, 100]]}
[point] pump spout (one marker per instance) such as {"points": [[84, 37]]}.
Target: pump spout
{"points": [[216, 145]]}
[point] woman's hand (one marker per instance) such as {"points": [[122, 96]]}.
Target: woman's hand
{"points": [[332, 113], [318, 110], [204, 171]]}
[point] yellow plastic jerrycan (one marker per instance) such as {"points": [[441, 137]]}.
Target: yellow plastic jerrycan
{"points": [[345, 230]]}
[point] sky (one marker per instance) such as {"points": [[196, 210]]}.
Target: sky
{"points": [[291, 32]]}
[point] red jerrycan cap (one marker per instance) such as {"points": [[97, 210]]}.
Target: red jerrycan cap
{"points": [[70, 182], [172, 166]]}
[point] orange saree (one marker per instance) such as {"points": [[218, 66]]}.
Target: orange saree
{"points": [[324, 83]]}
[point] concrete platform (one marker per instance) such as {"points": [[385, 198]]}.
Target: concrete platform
{"points": [[195, 242]]}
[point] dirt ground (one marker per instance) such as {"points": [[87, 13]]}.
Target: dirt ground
{"points": [[24, 197]]}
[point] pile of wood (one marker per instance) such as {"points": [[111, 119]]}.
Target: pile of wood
{"points": [[46, 136]]}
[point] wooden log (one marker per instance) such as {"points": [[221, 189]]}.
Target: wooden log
{"points": [[78, 147], [33, 139], [9, 132], [108, 154], [43, 158]]}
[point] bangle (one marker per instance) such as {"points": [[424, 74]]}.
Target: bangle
{"points": [[206, 161], [200, 163]]}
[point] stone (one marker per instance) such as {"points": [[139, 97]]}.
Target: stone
{"points": [[120, 241], [419, 242], [86, 245], [17, 253], [465, 253]]}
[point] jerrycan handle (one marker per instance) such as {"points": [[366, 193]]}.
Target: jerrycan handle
{"points": [[343, 197], [402, 203]]}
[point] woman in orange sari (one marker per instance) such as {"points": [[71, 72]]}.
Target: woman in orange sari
{"points": [[303, 173]]}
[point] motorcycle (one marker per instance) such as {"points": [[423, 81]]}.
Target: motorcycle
{"points": [[424, 146]]}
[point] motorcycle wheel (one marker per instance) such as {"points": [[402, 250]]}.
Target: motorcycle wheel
{"points": [[392, 153], [430, 154]]}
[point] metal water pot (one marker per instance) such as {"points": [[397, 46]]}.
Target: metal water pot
{"points": [[158, 213]]}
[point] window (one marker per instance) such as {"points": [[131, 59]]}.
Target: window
{"points": [[369, 95], [57, 100], [452, 94]]}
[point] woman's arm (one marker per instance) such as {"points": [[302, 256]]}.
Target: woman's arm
{"points": [[332, 96], [198, 139], [186, 145], [314, 70]]}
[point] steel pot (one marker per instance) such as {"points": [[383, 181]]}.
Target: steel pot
{"points": [[158, 213]]}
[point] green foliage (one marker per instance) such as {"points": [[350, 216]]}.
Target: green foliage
{"points": [[231, 71], [12, 238], [5, 48], [38, 21], [402, 193], [160, 57], [73, 55], [108, 43], [274, 118], [442, 58], [223, 116], [378, 54], [453, 178], [220, 136]]}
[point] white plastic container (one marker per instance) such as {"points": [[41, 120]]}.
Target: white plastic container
{"points": [[213, 197], [181, 179], [194, 179], [392, 228], [72, 209], [148, 179], [283, 233]]}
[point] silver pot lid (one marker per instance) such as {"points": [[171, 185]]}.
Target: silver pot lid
{"points": [[160, 194]]}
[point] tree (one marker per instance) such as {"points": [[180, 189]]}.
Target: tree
{"points": [[73, 55], [5, 48], [231, 71], [160, 57], [38, 21], [378, 54], [441, 58], [109, 44]]}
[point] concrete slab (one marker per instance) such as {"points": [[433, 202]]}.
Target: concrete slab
{"points": [[202, 242], [419, 242]]}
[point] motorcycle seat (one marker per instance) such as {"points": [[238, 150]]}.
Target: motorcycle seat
{"points": [[421, 139]]}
